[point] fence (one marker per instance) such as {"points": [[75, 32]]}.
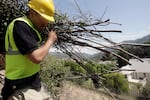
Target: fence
{"points": [[140, 75]]}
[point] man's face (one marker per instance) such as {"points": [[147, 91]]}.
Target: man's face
{"points": [[39, 22]]}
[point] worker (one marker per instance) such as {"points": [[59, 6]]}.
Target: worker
{"points": [[24, 52]]}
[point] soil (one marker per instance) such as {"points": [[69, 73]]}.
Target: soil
{"points": [[74, 92]]}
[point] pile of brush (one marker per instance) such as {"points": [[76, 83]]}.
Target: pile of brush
{"points": [[73, 33]]}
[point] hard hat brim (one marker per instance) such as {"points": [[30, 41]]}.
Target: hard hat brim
{"points": [[49, 18]]}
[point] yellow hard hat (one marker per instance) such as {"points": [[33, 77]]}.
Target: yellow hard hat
{"points": [[44, 7]]}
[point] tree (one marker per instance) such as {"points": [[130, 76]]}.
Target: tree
{"points": [[75, 68], [9, 9], [116, 82], [108, 57], [121, 62]]}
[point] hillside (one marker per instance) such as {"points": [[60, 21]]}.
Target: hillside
{"points": [[74, 92], [60, 55], [140, 40], [145, 39]]}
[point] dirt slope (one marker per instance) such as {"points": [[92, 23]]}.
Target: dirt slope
{"points": [[73, 92]]}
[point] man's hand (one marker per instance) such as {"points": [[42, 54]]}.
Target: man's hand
{"points": [[52, 36]]}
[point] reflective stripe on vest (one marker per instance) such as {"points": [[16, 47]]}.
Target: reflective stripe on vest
{"points": [[17, 65]]}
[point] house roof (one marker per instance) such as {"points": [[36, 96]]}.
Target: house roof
{"points": [[139, 66]]}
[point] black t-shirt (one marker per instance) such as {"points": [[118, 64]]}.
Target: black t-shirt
{"points": [[25, 37]]}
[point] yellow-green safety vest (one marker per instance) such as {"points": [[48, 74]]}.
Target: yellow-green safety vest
{"points": [[17, 65]]}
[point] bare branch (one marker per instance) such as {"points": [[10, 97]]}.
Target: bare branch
{"points": [[134, 44]]}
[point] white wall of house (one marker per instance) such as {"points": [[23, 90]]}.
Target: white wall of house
{"points": [[142, 71]]}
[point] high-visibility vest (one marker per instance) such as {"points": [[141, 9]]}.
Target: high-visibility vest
{"points": [[17, 65]]}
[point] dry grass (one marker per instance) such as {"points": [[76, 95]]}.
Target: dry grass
{"points": [[74, 92]]}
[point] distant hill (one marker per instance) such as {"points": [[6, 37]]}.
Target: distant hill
{"points": [[144, 39], [60, 55], [140, 40], [97, 56], [65, 56]]}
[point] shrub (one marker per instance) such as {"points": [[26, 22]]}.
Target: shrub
{"points": [[116, 82], [146, 90], [74, 67], [52, 74]]}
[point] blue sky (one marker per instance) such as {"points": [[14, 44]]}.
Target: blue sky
{"points": [[134, 15]]}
